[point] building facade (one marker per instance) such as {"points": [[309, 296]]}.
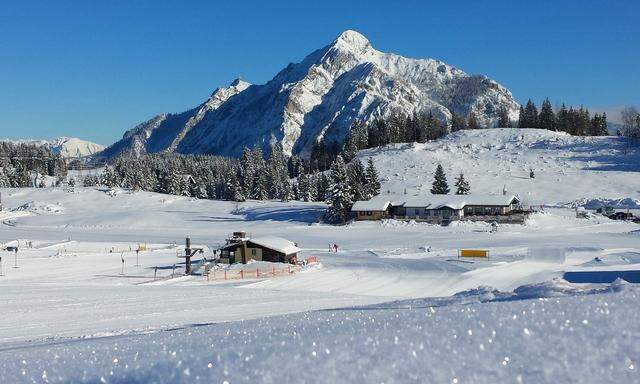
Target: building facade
{"points": [[439, 209]]}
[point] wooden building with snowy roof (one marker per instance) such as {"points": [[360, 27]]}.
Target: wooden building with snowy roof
{"points": [[241, 249]]}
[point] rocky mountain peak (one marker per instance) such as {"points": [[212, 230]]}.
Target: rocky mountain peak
{"points": [[319, 98], [353, 39]]}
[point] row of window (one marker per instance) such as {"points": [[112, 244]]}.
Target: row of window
{"points": [[437, 212]]}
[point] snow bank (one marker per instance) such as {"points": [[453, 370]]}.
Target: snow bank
{"points": [[575, 338], [619, 203], [547, 254], [40, 208]]}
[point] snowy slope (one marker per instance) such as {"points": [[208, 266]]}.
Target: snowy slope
{"points": [[73, 313], [567, 168], [588, 338], [320, 97], [67, 147]]}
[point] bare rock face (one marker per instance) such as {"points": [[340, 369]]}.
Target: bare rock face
{"points": [[319, 98]]}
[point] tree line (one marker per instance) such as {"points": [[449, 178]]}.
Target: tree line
{"points": [[419, 127], [576, 122], [19, 162], [253, 176]]}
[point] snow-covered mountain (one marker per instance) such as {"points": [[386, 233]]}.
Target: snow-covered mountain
{"points": [[67, 147], [320, 97]]}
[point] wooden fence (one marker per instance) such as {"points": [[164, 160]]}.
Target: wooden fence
{"points": [[250, 273]]}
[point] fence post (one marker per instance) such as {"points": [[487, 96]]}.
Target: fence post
{"points": [[242, 274], [257, 272], [273, 271], [225, 274]]}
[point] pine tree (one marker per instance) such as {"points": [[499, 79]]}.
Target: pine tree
{"points": [[109, 178], [372, 181], [19, 177], [473, 122], [341, 198], [287, 191], [259, 191], [323, 184], [303, 187], [458, 122], [547, 119], [522, 119], [530, 115], [440, 186], [357, 180], [235, 190], [4, 179], [462, 185], [503, 118], [604, 126], [562, 119]]}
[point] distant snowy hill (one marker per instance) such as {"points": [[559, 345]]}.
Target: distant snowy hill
{"points": [[67, 147], [566, 168], [320, 97]]}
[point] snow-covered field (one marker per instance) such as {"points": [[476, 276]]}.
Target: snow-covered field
{"points": [[395, 304], [566, 168]]}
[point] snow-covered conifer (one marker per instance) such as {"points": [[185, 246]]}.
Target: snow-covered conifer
{"points": [[462, 185], [340, 197], [357, 180], [440, 186], [547, 119], [503, 118], [259, 191], [372, 180]]}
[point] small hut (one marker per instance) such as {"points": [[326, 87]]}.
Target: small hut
{"points": [[241, 249]]}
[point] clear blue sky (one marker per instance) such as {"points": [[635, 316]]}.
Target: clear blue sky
{"points": [[93, 69]]}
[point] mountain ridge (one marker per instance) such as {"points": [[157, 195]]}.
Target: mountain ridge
{"points": [[67, 147], [319, 98]]}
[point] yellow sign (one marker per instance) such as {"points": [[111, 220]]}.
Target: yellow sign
{"points": [[474, 253]]}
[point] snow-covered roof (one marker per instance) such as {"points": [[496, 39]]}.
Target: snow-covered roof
{"points": [[458, 201], [371, 205], [276, 243], [433, 201], [486, 199]]}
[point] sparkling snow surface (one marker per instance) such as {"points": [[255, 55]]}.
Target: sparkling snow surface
{"points": [[395, 304], [591, 338]]}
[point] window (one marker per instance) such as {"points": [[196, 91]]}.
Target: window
{"points": [[417, 212], [253, 252], [369, 213]]}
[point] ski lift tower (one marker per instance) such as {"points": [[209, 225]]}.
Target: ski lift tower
{"points": [[188, 254]]}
